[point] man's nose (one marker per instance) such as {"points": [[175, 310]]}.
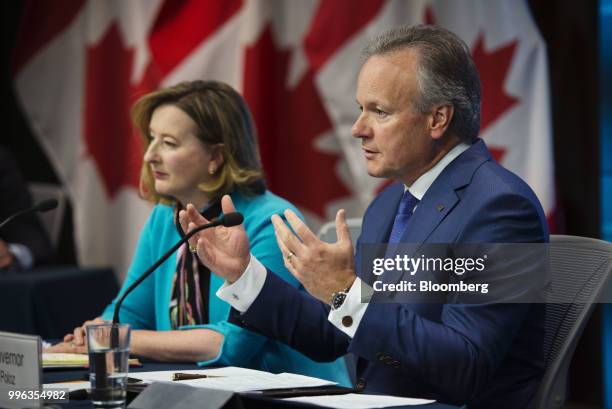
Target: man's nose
{"points": [[360, 128]]}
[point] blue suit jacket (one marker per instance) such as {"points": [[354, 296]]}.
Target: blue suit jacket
{"points": [[488, 356]]}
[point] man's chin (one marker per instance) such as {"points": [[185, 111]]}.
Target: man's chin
{"points": [[378, 173]]}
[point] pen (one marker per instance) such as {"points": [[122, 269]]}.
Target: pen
{"points": [[185, 376]]}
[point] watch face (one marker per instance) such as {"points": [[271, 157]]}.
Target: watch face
{"points": [[338, 300]]}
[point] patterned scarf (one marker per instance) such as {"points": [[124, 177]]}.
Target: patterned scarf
{"points": [[191, 282]]}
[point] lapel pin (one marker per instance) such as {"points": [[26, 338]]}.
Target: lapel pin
{"points": [[440, 207]]}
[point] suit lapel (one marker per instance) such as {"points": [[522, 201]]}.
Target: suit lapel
{"points": [[376, 230], [382, 221], [441, 197], [438, 202]]}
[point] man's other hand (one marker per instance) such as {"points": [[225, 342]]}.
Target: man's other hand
{"points": [[322, 268]]}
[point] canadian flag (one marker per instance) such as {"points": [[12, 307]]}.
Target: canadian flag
{"points": [[78, 69]]}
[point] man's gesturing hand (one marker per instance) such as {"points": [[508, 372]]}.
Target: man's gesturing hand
{"points": [[322, 268], [224, 250]]}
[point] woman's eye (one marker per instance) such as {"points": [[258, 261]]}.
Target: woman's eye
{"points": [[170, 143]]}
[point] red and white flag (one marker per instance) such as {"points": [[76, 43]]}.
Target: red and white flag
{"points": [[78, 69]]}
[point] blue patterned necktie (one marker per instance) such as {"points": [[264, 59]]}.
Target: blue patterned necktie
{"points": [[404, 212]]}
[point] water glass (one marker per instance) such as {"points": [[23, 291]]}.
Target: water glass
{"points": [[109, 349]]}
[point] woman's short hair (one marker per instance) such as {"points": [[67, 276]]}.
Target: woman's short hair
{"points": [[222, 117]]}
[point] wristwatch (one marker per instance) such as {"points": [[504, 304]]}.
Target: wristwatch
{"points": [[338, 298]]}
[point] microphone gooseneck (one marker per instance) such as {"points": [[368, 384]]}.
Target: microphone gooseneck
{"points": [[227, 220], [43, 206]]}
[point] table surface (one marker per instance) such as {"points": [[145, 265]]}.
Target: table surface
{"points": [[63, 375]]}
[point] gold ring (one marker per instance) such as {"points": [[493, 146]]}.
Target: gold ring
{"points": [[194, 250], [291, 254]]}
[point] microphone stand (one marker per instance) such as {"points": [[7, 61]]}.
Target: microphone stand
{"points": [[213, 223], [43, 206]]}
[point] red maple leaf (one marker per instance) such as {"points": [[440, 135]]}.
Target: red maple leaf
{"points": [[498, 153], [109, 136], [332, 26], [428, 16], [288, 122], [493, 68], [182, 25]]}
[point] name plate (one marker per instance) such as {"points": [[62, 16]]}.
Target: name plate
{"points": [[20, 368]]}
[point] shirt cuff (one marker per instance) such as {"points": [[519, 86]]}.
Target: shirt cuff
{"points": [[349, 315], [243, 292], [23, 255]]}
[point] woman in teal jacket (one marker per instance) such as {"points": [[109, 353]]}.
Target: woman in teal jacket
{"points": [[200, 144]]}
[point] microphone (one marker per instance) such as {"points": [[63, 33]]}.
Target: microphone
{"points": [[43, 206], [227, 220], [232, 219]]}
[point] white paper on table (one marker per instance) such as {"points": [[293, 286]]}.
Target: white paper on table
{"points": [[237, 379], [258, 382], [71, 386], [166, 376], [359, 401]]}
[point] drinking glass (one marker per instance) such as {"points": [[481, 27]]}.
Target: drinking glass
{"points": [[109, 349]]}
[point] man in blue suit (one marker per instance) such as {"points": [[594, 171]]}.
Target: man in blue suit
{"points": [[419, 96]]}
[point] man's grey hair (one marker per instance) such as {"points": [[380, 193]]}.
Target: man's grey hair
{"points": [[446, 73]]}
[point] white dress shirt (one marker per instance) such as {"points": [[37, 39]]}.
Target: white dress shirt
{"points": [[243, 292], [23, 255]]}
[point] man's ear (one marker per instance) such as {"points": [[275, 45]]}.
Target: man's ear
{"points": [[439, 120]]}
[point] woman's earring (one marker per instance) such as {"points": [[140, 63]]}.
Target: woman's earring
{"points": [[212, 170]]}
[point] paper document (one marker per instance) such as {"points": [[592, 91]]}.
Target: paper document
{"points": [[166, 376], [359, 401], [238, 379], [71, 386], [258, 382], [55, 358], [64, 360]]}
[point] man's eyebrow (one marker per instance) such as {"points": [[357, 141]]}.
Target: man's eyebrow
{"points": [[375, 104]]}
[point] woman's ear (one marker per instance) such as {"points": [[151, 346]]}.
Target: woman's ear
{"points": [[217, 158]]}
